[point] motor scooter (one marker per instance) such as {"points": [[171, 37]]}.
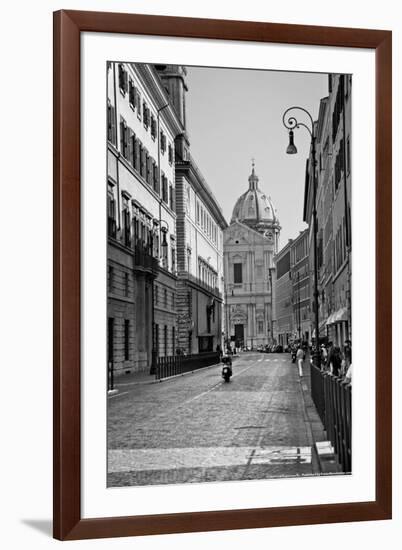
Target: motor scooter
{"points": [[227, 367]]}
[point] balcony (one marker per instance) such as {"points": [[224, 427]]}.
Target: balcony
{"points": [[214, 290], [143, 260]]}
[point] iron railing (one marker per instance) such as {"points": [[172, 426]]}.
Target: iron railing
{"points": [[211, 289], [179, 364], [332, 397], [143, 259]]}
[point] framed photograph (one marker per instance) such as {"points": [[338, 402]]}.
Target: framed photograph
{"points": [[211, 180]]}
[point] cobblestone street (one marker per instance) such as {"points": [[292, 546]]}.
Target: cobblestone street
{"points": [[198, 428]]}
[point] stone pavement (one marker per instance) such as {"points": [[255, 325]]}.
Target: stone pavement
{"points": [[197, 428]]}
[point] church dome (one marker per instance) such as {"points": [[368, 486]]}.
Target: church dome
{"points": [[254, 208]]}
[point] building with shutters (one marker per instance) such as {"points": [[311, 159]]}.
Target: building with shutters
{"points": [[334, 238], [284, 295], [142, 125], [300, 276], [292, 291], [200, 224], [250, 243]]}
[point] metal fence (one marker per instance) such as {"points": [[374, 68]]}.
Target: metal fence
{"points": [[179, 364], [332, 397]]}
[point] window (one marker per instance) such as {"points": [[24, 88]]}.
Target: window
{"points": [[237, 273], [122, 79], [143, 155], [131, 93], [156, 243], [163, 143], [260, 326], [156, 294], [164, 188], [165, 297], [171, 197], [126, 226], [155, 177], [173, 340], [137, 96], [153, 127], [170, 153], [136, 229], [123, 137], [111, 123], [145, 115], [150, 172], [164, 248], [137, 153], [111, 215], [126, 339], [130, 146]]}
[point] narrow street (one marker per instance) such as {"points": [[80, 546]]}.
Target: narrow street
{"points": [[198, 428]]}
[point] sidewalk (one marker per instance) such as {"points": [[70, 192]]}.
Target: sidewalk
{"points": [[133, 378], [143, 377], [328, 462]]}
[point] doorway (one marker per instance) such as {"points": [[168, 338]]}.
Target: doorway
{"points": [[239, 335]]}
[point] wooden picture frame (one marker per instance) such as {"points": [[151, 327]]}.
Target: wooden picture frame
{"points": [[68, 523]]}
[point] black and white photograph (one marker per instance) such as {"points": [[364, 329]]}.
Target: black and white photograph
{"points": [[229, 274]]}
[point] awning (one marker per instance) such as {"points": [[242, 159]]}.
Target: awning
{"points": [[338, 316]]}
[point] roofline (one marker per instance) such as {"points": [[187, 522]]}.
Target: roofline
{"points": [[199, 183]]}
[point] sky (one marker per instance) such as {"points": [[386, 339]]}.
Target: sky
{"points": [[234, 115]]}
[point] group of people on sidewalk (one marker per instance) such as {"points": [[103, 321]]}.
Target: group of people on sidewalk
{"points": [[333, 359], [337, 361]]}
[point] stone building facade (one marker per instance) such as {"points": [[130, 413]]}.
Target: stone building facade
{"points": [[292, 291], [250, 243], [300, 277], [284, 296], [333, 144], [141, 218], [200, 223]]}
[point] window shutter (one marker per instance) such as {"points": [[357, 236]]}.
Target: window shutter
{"points": [[137, 154], [109, 121], [131, 146], [121, 135]]}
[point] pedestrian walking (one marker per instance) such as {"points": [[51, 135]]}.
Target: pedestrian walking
{"points": [[336, 361], [300, 360], [324, 354], [330, 351]]}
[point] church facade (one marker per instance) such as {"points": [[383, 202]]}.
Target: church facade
{"points": [[249, 246]]}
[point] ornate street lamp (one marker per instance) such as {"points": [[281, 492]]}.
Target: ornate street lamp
{"points": [[291, 123]]}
